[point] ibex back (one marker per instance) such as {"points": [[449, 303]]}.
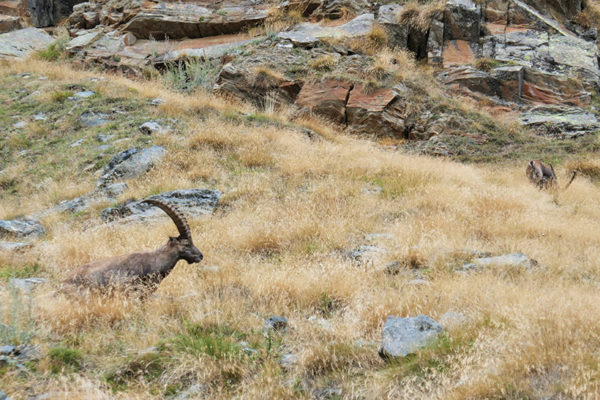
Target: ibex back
{"points": [[141, 268]]}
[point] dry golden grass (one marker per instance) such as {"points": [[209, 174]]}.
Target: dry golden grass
{"points": [[291, 208]]}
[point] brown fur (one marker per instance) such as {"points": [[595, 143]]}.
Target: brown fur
{"points": [[148, 268], [543, 176]]}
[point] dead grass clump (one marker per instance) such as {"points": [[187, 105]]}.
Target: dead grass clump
{"points": [[335, 357], [266, 78], [585, 167], [279, 19], [372, 43], [323, 63]]}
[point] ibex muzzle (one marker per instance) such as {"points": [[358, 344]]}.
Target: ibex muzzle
{"points": [[146, 268]]}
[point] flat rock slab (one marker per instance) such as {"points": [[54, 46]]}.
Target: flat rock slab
{"points": [[188, 201], [404, 336], [90, 119], [506, 260], [14, 246], [21, 43], [179, 20], [309, 33], [21, 228], [131, 163], [25, 284], [561, 121]]}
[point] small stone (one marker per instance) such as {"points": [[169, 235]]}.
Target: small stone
{"points": [[288, 360], [404, 336], [40, 117], [158, 101], [505, 260], [151, 127], [20, 125], [104, 147], [90, 119], [247, 349], [77, 143], [103, 138], [115, 190], [25, 284], [85, 94], [3, 395], [276, 323], [392, 268]]}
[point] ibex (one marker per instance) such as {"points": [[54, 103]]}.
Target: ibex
{"points": [[543, 176], [148, 268]]}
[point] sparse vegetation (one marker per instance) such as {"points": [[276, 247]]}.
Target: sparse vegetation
{"points": [[291, 208]]}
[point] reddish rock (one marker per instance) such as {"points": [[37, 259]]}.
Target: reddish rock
{"points": [[375, 112], [540, 88], [458, 52], [9, 23], [326, 98]]}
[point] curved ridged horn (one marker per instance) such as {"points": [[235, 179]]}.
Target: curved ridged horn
{"points": [[176, 216]]}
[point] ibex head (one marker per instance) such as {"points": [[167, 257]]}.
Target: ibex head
{"points": [[183, 244]]}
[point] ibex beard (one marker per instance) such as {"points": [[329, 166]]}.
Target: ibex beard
{"points": [[141, 270]]}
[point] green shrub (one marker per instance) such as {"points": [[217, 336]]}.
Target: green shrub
{"points": [[64, 358]]}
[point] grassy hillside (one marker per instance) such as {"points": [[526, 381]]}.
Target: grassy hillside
{"points": [[291, 208]]}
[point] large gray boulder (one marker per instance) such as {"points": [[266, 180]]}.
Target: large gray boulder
{"points": [[20, 228], [21, 43], [192, 202], [130, 164], [404, 336]]}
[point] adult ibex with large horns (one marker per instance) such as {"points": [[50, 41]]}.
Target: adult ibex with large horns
{"points": [[141, 268]]}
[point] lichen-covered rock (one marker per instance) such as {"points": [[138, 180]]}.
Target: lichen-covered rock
{"points": [[193, 202], [131, 163], [404, 336], [22, 42], [21, 228], [561, 122], [14, 246]]}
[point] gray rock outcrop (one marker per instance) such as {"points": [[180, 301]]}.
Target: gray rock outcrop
{"points": [[192, 202]]}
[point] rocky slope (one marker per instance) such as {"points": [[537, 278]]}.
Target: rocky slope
{"points": [[527, 58]]}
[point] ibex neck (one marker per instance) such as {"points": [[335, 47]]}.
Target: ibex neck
{"points": [[166, 258]]}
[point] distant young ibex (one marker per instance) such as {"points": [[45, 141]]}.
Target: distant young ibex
{"points": [[148, 268], [543, 176]]}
